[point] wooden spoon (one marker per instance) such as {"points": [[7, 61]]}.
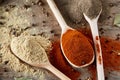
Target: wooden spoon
{"points": [[20, 50], [96, 39], [65, 28]]}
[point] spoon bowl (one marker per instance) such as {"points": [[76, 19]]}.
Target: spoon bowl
{"points": [[65, 29], [83, 58]]}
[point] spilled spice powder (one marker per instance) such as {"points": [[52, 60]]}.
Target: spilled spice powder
{"points": [[111, 59], [77, 47], [57, 59], [110, 51], [93, 72]]}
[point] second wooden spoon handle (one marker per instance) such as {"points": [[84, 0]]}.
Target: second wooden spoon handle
{"points": [[57, 72], [96, 39], [99, 59]]}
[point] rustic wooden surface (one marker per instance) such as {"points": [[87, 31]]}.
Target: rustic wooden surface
{"points": [[46, 23]]}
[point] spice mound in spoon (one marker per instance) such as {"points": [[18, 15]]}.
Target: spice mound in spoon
{"points": [[93, 8], [31, 48], [77, 48]]}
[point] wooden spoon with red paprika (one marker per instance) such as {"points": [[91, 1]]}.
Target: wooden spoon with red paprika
{"points": [[76, 47]]}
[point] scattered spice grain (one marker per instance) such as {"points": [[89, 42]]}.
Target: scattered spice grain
{"points": [[98, 47], [100, 59], [27, 6], [97, 38]]}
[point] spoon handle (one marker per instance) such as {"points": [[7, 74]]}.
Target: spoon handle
{"points": [[96, 39], [98, 51], [57, 72], [57, 14]]}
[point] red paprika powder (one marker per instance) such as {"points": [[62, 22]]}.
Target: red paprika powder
{"points": [[111, 58], [77, 47], [57, 59], [110, 49], [92, 71]]}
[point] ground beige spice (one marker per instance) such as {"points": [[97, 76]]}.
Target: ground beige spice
{"points": [[11, 64], [17, 67], [31, 48], [4, 35]]}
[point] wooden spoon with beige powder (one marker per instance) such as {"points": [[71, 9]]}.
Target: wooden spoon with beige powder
{"points": [[32, 50]]}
